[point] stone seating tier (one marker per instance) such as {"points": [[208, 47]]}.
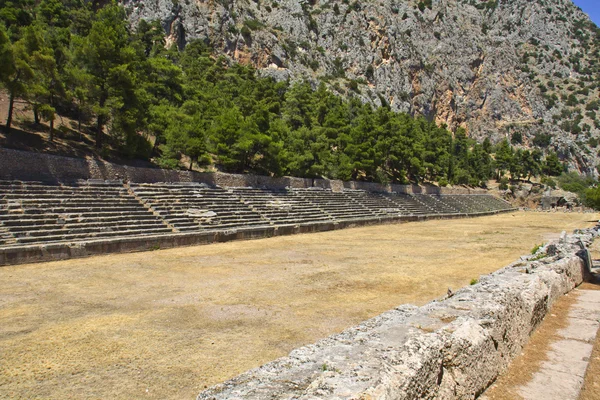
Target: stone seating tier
{"points": [[280, 206], [379, 204], [436, 204], [197, 207], [458, 203], [494, 203], [338, 205], [408, 204], [34, 212]]}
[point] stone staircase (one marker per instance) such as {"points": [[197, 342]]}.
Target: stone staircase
{"points": [[476, 203], [6, 238], [492, 203], [436, 204], [408, 204], [33, 212], [280, 207], [460, 203], [379, 204], [338, 205], [197, 207]]}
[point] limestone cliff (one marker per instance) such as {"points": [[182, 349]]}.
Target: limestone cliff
{"points": [[502, 68]]}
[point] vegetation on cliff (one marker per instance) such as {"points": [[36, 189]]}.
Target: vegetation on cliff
{"points": [[149, 101], [528, 68]]}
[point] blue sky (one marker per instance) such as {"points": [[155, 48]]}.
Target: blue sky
{"points": [[591, 7]]}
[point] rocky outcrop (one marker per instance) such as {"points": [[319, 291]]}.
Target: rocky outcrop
{"points": [[493, 67], [449, 349]]}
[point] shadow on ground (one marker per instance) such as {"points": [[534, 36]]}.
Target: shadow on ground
{"points": [[595, 273]]}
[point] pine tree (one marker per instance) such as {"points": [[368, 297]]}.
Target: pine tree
{"points": [[504, 158], [16, 70], [102, 52], [551, 165]]}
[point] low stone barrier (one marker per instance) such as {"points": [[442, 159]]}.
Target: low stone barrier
{"points": [[453, 348], [22, 254]]}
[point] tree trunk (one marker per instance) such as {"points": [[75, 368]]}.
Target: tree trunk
{"points": [[36, 115], [52, 130], [156, 144], [53, 115], [100, 122], [11, 103], [191, 163], [99, 128]]}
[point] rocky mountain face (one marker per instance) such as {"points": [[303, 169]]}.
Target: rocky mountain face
{"points": [[526, 70]]}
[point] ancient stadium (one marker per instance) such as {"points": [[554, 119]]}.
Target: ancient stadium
{"points": [[171, 318]]}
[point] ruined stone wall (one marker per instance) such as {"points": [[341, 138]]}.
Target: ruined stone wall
{"points": [[453, 348], [27, 166]]}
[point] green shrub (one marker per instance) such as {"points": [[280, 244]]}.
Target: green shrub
{"points": [[573, 182], [542, 140], [548, 181], [516, 138], [246, 31], [536, 248], [253, 24]]}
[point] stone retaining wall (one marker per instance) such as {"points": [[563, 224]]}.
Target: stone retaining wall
{"points": [[453, 348], [28, 166]]}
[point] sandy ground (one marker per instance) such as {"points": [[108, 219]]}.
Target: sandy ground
{"points": [[167, 324]]}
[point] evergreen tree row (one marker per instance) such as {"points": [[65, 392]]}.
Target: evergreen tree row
{"points": [[64, 56]]}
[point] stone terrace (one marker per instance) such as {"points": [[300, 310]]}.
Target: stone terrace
{"points": [[39, 213], [33, 212]]}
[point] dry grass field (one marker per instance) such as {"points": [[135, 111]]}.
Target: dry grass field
{"points": [[166, 324]]}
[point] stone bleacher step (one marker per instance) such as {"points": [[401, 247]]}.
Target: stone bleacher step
{"points": [[209, 227], [20, 222], [235, 216], [25, 193], [67, 237], [119, 217], [189, 228], [207, 207], [239, 224], [86, 213], [295, 221], [39, 213], [92, 203], [123, 222], [86, 227], [181, 226]]}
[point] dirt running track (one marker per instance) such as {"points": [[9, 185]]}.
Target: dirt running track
{"points": [[166, 324]]}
